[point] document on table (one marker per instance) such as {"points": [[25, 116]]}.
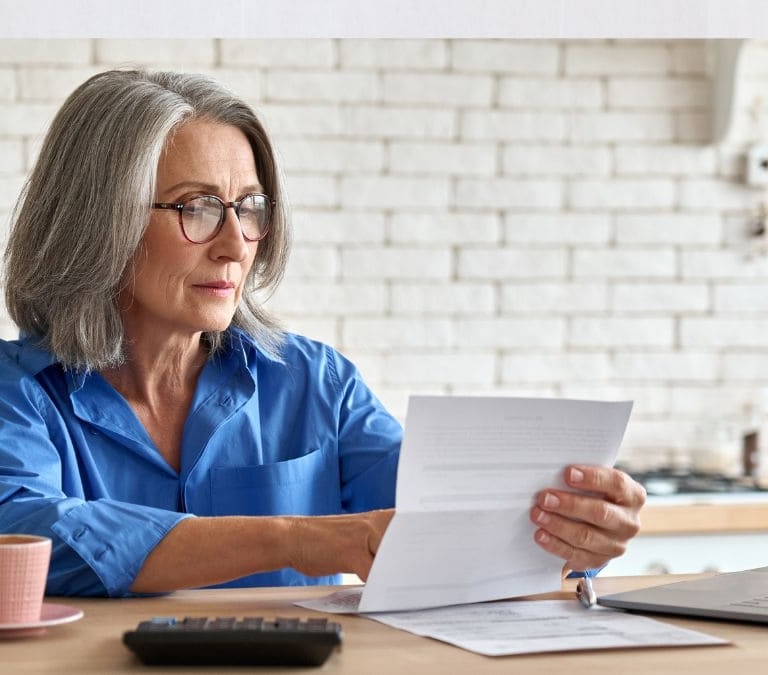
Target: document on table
{"points": [[469, 469], [526, 627]]}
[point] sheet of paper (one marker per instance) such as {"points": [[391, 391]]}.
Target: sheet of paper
{"points": [[525, 627], [469, 469]]}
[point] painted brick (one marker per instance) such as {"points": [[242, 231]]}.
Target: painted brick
{"points": [[395, 192], [494, 263], [338, 227], [311, 262], [623, 126], [730, 162], [621, 332], [573, 366], [677, 366], [585, 58], [726, 264], [512, 126], [421, 55], [556, 160], [741, 298], [713, 194], [26, 119], [44, 51], [398, 122], [685, 229], [415, 369], [720, 401], [245, 83], [447, 228], [52, 84], [543, 94], [624, 263], [676, 160], [174, 53], [506, 56], [451, 299], [324, 298], [331, 156], [557, 228], [509, 193], [382, 333], [661, 298], [324, 330], [330, 86], [463, 159], [554, 298], [664, 93], [10, 188], [438, 89], [7, 84], [503, 333], [313, 191], [745, 367], [278, 53], [396, 263], [291, 120], [689, 57], [11, 156], [722, 332], [622, 193], [693, 127]]}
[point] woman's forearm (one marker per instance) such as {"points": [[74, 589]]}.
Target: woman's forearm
{"points": [[205, 551]]}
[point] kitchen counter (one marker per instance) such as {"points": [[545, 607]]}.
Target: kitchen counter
{"points": [[705, 513], [698, 532]]}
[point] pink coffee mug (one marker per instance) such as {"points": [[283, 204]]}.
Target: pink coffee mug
{"points": [[24, 560]]}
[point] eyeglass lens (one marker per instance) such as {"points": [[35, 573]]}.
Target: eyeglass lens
{"points": [[202, 216]]}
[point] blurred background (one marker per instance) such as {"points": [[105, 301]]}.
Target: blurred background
{"points": [[578, 218]]}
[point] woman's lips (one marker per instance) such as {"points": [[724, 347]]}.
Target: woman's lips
{"points": [[219, 289]]}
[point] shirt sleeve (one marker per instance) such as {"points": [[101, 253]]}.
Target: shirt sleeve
{"points": [[98, 546], [369, 441]]}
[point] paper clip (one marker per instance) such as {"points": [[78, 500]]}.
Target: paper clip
{"points": [[585, 592]]}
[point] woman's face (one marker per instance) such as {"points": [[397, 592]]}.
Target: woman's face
{"points": [[179, 287]]}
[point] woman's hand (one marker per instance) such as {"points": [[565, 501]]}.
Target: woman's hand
{"points": [[332, 544], [588, 530]]}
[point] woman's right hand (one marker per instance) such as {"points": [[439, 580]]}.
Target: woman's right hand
{"points": [[324, 545]]}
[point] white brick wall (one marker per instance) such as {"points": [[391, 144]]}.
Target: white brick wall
{"points": [[532, 217]]}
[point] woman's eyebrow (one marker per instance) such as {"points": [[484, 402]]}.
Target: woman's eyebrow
{"points": [[209, 187]]}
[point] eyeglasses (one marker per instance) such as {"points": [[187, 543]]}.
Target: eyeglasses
{"points": [[201, 217]]}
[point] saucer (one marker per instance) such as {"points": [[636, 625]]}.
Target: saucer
{"points": [[51, 615]]}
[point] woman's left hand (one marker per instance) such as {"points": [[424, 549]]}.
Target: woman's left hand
{"points": [[588, 530]]}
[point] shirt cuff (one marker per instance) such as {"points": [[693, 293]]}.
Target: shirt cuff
{"points": [[114, 538]]}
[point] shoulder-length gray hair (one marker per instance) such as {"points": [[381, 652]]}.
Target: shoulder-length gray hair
{"points": [[83, 211]]}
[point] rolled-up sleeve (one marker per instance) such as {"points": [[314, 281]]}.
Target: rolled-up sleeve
{"points": [[369, 441], [98, 546]]}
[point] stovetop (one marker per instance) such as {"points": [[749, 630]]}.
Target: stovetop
{"points": [[670, 481]]}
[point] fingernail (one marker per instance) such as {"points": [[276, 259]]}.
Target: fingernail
{"points": [[542, 537], [543, 517], [577, 475], [550, 501]]}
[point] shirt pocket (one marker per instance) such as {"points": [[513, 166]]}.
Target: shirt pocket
{"points": [[306, 485]]}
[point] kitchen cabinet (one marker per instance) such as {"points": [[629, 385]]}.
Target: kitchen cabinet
{"points": [[691, 533]]}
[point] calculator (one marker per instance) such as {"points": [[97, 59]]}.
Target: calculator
{"points": [[252, 641]]}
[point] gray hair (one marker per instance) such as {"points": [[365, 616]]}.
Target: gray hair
{"points": [[82, 212]]}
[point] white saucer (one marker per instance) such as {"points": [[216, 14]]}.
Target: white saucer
{"points": [[51, 615]]}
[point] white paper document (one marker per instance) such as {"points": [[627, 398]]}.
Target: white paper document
{"points": [[526, 627], [469, 469]]}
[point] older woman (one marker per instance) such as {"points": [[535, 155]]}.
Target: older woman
{"points": [[155, 421]]}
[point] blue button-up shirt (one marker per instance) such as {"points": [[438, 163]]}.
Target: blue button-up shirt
{"points": [[299, 435]]}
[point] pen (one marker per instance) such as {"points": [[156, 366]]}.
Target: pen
{"points": [[585, 592]]}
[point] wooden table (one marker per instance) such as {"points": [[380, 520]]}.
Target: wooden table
{"points": [[93, 644]]}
